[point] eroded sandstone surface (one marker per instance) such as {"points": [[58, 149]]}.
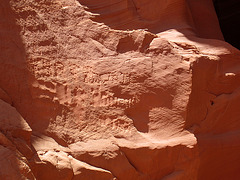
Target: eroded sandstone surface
{"points": [[106, 90]]}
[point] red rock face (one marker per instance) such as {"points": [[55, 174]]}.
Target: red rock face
{"points": [[117, 90]]}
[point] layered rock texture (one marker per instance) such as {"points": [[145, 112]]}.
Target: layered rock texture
{"points": [[117, 89]]}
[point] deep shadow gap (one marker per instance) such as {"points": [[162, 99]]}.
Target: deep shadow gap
{"points": [[228, 12]]}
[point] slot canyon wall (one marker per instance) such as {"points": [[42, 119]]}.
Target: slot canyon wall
{"points": [[117, 90]]}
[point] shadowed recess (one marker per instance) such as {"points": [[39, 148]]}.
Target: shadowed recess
{"points": [[188, 17], [228, 12]]}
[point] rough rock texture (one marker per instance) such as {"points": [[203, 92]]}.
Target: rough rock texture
{"points": [[120, 89]]}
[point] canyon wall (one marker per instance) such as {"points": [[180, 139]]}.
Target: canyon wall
{"points": [[120, 89]]}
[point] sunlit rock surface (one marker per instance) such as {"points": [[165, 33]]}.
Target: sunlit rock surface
{"points": [[120, 89]]}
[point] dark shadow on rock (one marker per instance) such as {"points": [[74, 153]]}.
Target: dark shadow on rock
{"points": [[116, 14], [191, 18], [139, 112], [228, 12], [16, 79], [152, 16], [12, 55]]}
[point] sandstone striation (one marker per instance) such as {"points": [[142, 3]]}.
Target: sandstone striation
{"points": [[120, 89]]}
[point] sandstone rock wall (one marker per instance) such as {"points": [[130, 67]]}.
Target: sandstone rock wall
{"points": [[116, 90]]}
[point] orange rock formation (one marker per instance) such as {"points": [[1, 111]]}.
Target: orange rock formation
{"points": [[120, 89]]}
